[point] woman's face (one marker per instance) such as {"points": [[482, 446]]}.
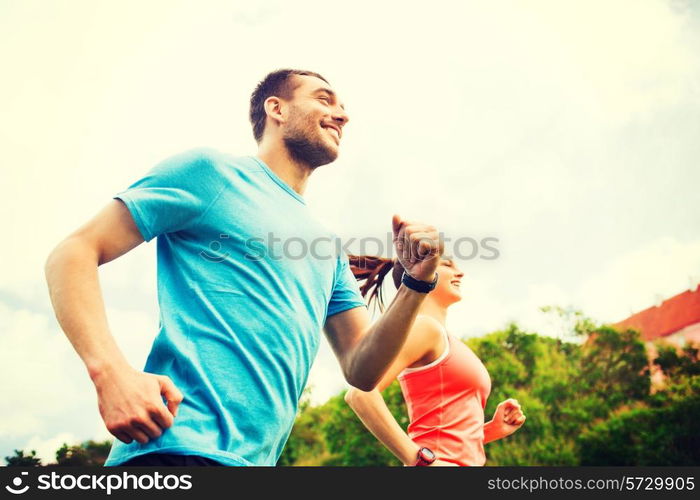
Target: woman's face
{"points": [[447, 291]]}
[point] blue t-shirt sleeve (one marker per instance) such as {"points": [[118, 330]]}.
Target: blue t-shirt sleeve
{"points": [[346, 292], [174, 194]]}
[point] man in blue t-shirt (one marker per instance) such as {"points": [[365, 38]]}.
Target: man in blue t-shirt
{"points": [[247, 279]]}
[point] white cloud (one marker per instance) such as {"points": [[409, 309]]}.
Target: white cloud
{"points": [[100, 432], [641, 278], [635, 56], [46, 388], [20, 423], [33, 365], [46, 448], [480, 310]]}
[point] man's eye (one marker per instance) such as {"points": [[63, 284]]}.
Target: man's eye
{"points": [[325, 99]]}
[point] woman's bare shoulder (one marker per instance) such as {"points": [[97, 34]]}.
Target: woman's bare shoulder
{"points": [[426, 329]]}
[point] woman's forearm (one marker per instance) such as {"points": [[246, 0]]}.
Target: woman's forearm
{"points": [[491, 432], [371, 408]]}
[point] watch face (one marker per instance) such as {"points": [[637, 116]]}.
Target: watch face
{"points": [[427, 453]]}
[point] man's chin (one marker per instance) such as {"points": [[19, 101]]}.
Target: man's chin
{"points": [[312, 155], [322, 159], [332, 156], [328, 153]]}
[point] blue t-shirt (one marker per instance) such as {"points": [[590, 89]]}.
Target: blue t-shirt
{"points": [[246, 280]]}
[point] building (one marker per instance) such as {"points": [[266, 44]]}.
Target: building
{"points": [[676, 320]]}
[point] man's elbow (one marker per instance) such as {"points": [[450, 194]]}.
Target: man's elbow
{"points": [[69, 250], [52, 261], [362, 383], [356, 374], [57, 254]]}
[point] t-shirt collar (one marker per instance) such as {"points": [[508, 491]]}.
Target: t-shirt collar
{"points": [[279, 181]]}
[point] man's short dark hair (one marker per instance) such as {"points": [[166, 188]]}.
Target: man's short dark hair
{"points": [[279, 84]]}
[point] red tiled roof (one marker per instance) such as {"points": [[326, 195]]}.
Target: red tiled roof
{"points": [[672, 315]]}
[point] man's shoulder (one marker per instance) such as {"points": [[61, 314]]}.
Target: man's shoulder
{"points": [[184, 161], [203, 160], [200, 155]]}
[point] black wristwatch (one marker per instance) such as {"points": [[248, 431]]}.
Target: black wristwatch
{"points": [[425, 457], [418, 285]]}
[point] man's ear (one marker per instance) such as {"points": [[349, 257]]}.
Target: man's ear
{"points": [[275, 109]]}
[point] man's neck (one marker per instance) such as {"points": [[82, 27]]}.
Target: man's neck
{"points": [[293, 173]]}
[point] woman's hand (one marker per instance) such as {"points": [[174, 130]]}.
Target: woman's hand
{"points": [[508, 418]]}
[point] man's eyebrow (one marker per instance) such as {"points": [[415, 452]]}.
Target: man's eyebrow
{"points": [[327, 91]]}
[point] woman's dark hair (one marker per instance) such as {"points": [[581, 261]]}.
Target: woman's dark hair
{"points": [[372, 270], [278, 83]]}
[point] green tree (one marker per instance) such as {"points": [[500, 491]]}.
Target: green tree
{"points": [[614, 370], [306, 444], [668, 435], [349, 441], [22, 460], [87, 453], [677, 364], [665, 430], [538, 372]]}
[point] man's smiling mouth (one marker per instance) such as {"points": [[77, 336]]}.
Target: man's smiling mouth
{"points": [[333, 131]]}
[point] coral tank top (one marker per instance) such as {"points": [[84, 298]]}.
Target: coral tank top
{"points": [[446, 401]]}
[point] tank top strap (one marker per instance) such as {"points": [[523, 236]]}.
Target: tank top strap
{"points": [[437, 361]]}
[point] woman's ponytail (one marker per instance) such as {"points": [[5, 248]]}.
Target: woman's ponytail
{"points": [[372, 270]]}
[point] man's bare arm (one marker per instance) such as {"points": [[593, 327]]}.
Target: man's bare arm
{"points": [[72, 277], [129, 400], [366, 351]]}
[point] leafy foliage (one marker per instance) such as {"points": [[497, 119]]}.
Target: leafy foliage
{"points": [[88, 453], [22, 460], [586, 395], [348, 440]]}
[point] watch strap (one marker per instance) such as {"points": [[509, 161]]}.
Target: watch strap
{"points": [[418, 285], [423, 457]]}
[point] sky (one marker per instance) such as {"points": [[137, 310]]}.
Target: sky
{"points": [[565, 130]]}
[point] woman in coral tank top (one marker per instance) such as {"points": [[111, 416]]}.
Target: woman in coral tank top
{"points": [[444, 383]]}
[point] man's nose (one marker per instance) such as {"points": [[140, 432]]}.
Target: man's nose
{"points": [[340, 116]]}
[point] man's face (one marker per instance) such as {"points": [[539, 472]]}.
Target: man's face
{"points": [[315, 122]]}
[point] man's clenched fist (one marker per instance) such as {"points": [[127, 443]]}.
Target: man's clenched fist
{"points": [[418, 248], [131, 403]]}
